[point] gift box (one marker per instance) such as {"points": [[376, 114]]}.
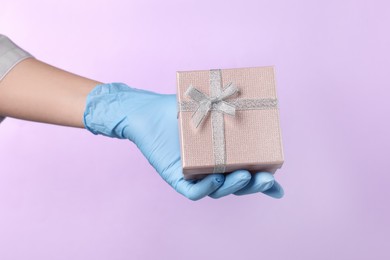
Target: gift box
{"points": [[228, 120]]}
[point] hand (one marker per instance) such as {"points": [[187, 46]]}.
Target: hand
{"points": [[150, 121]]}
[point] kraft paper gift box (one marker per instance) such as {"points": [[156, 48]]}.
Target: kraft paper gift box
{"points": [[228, 120]]}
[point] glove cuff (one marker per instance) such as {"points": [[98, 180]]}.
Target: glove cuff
{"points": [[100, 104]]}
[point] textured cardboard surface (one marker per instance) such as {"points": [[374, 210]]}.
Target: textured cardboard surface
{"points": [[252, 137]]}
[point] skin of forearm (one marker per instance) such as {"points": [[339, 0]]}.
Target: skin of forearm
{"points": [[36, 91]]}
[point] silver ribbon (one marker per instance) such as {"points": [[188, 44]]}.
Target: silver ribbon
{"points": [[205, 103], [218, 105]]}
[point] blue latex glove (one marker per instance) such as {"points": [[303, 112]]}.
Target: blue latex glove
{"points": [[150, 121]]}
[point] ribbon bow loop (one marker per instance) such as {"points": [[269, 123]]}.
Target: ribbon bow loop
{"points": [[206, 103]]}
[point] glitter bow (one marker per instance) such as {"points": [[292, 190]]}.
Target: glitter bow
{"points": [[206, 103]]}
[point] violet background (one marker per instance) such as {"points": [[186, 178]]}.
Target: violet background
{"points": [[67, 194]]}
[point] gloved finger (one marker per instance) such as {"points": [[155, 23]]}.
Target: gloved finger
{"points": [[197, 190], [276, 191], [233, 182], [260, 182]]}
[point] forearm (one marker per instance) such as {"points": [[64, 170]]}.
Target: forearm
{"points": [[36, 91]]}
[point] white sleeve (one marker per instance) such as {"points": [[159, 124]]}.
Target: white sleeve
{"points": [[10, 55]]}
